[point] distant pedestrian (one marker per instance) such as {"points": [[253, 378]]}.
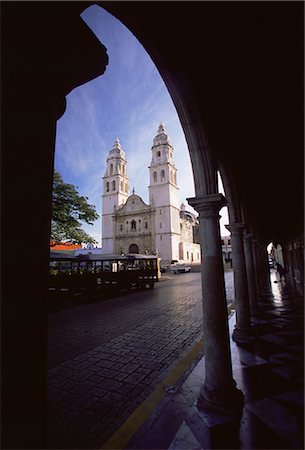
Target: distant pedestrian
{"points": [[281, 271]]}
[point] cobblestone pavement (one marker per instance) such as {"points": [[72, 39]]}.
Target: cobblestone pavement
{"points": [[105, 358]]}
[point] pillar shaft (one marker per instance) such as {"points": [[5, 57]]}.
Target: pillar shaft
{"points": [[250, 273], [263, 269], [256, 265], [243, 324], [266, 268], [219, 389]]}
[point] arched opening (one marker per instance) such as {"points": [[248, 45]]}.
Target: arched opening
{"points": [[204, 179], [133, 248], [34, 119], [204, 169]]}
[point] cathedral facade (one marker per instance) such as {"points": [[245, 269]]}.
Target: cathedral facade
{"points": [[162, 227]]}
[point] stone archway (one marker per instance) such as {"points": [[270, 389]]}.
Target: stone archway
{"points": [[133, 248], [207, 202]]}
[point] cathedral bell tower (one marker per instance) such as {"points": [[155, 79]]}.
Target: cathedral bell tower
{"points": [[115, 193], [164, 196]]}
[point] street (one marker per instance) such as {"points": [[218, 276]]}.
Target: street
{"points": [[104, 358]]}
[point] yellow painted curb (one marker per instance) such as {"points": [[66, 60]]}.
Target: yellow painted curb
{"points": [[122, 436]]}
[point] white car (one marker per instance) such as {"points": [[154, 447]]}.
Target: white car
{"points": [[177, 267]]}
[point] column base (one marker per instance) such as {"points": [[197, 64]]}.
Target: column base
{"points": [[242, 335], [229, 401]]}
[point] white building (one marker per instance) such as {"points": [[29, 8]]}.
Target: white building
{"points": [[226, 251], [162, 227]]}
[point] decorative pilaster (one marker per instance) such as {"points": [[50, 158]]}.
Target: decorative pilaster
{"points": [[250, 273], [242, 329], [219, 389]]}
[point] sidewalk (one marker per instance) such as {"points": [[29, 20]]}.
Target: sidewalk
{"points": [[269, 371]]}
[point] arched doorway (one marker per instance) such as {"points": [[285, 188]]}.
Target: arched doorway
{"points": [[133, 248]]}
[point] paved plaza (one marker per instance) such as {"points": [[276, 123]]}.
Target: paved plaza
{"points": [[105, 358], [126, 373]]}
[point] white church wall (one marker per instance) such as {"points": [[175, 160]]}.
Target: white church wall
{"points": [[190, 253], [175, 246], [164, 246], [175, 221], [162, 215]]}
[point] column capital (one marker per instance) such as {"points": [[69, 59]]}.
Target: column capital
{"points": [[208, 204], [235, 228]]}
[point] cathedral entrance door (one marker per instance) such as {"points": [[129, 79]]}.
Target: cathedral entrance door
{"points": [[133, 248]]}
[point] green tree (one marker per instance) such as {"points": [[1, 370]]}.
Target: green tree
{"points": [[69, 211]]}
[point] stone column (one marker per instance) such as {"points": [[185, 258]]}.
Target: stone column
{"points": [[266, 268], [250, 273], [219, 389], [263, 269], [242, 329], [256, 265]]}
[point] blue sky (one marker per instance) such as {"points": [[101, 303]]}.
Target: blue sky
{"points": [[128, 101]]}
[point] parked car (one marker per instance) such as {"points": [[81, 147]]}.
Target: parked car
{"points": [[179, 267]]}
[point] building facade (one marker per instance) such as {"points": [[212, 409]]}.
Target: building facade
{"points": [[162, 227], [226, 251]]}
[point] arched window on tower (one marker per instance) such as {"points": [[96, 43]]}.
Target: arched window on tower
{"points": [[155, 177], [126, 187], [107, 186], [113, 185], [111, 169], [133, 225], [162, 175], [158, 153], [122, 186]]}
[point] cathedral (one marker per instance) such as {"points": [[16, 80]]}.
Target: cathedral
{"points": [[162, 227]]}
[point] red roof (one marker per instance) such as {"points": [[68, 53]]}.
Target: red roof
{"points": [[64, 246]]}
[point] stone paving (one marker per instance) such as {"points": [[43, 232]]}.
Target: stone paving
{"points": [[110, 372], [270, 372], [105, 358]]}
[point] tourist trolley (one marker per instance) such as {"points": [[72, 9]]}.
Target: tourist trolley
{"points": [[96, 272]]}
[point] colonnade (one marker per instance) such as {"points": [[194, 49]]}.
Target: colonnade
{"points": [[251, 279]]}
